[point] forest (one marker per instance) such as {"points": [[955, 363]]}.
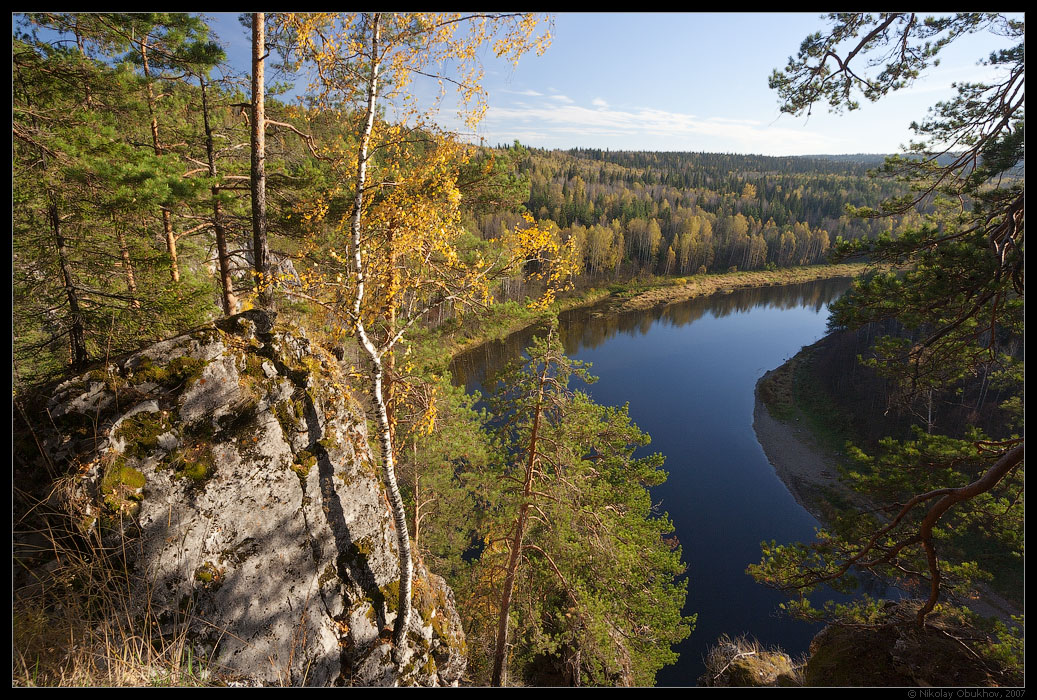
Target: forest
{"points": [[155, 190], [151, 130]]}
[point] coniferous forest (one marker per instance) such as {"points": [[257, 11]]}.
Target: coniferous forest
{"points": [[156, 191]]}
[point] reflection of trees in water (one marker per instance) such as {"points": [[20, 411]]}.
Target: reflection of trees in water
{"points": [[588, 328], [812, 295]]}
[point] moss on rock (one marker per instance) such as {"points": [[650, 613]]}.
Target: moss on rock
{"points": [[195, 463], [180, 371], [209, 575], [304, 462], [122, 487], [140, 432]]}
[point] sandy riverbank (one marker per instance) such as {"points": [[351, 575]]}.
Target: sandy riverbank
{"points": [[810, 476], [805, 469], [703, 285]]}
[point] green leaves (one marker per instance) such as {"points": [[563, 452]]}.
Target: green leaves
{"points": [[597, 590]]}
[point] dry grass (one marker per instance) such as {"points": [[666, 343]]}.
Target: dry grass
{"points": [[75, 621], [742, 662]]}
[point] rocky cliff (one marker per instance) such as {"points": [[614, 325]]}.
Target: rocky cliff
{"points": [[231, 466]]}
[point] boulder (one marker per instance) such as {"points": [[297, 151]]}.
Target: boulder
{"points": [[231, 465], [898, 652], [741, 662]]}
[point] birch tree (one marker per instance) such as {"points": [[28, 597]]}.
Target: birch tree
{"points": [[395, 214]]}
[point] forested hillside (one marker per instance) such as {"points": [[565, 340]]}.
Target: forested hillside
{"points": [[161, 195], [133, 180], [687, 213]]}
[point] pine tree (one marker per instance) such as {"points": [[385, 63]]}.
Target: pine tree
{"points": [[961, 293], [85, 266], [584, 573]]}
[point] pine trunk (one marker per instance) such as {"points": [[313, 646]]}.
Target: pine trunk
{"points": [[127, 265], [260, 250], [230, 302], [500, 652], [77, 337], [167, 219]]}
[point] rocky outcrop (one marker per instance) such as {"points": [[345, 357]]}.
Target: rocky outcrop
{"points": [[900, 653], [231, 465], [892, 651], [744, 663]]}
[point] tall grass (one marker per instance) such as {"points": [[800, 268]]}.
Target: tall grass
{"points": [[78, 621]]}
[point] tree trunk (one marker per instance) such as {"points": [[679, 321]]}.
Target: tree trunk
{"points": [[230, 302], [127, 265], [417, 498], [167, 219], [988, 480], [500, 651], [384, 428], [260, 250], [399, 514], [77, 337]]}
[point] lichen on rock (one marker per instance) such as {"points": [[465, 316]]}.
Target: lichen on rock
{"points": [[238, 458]]}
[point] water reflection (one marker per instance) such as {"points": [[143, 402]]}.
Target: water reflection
{"points": [[588, 328], [688, 371]]}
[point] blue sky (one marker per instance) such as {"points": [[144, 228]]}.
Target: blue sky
{"points": [[681, 82]]}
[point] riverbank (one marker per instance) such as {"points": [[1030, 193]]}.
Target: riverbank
{"points": [[806, 469], [501, 320], [804, 460], [704, 285]]}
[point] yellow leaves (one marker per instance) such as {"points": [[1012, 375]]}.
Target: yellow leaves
{"points": [[538, 248], [427, 424], [339, 49]]}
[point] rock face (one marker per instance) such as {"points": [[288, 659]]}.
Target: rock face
{"points": [[232, 465], [899, 653]]}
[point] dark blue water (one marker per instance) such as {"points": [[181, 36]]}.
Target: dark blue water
{"points": [[688, 372]]}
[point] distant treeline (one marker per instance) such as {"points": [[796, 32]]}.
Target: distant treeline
{"points": [[667, 213]]}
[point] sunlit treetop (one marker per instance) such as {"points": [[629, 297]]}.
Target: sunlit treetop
{"points": [[445, 47]]}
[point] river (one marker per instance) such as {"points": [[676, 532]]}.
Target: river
{"points": [[688, 371]]}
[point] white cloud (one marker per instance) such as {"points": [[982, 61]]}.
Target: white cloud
{"points": [[567, 123]]}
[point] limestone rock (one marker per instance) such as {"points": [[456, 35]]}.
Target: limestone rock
{"points": [[232, 465]]}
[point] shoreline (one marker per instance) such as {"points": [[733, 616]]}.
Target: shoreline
{"points": [[805, 469], [798, 462], [705, 285], [659, 293]]}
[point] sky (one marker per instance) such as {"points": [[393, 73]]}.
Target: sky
{"points": [[680, 82]]}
